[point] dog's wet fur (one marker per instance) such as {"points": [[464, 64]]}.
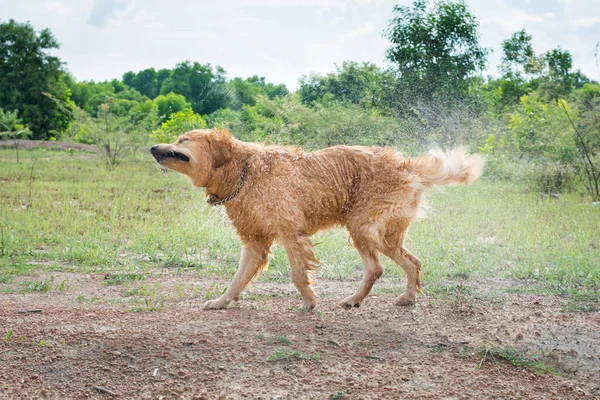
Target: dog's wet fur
{"points": [[288, 195]]}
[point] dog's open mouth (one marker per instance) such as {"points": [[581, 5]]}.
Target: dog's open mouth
{"points": [[175, 154]]}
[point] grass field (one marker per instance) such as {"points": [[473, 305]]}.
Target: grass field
{"points": [[63, 211]]}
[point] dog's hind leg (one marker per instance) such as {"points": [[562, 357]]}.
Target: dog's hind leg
{"points": [[408, 262], [255, 258], [367, 243], [302, 260]]}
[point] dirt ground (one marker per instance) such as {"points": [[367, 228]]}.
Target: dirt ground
{"points": [[88, 342]]}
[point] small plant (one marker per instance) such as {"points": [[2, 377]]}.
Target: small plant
{"points": [[63, 286], [41, 286], [517, 359], [119, 279], [214, 291], [291, 354], [9, 335], [552, 179], [150, 306], [283, 340]]}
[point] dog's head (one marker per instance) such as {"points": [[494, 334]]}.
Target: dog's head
{"points": [[196, 154]]}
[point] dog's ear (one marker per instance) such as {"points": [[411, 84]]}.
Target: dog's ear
{"points": [[220, 146]]}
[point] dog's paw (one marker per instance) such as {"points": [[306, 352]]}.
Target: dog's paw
{"points": [[405, 300], [215, 304], [350, 302]]}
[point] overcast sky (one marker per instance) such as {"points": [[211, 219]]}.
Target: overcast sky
{"points": [[279, 39]]}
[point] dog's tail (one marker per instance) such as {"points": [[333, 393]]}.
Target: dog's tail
{"points": [[453, 168]]}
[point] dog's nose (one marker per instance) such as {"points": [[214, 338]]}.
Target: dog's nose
{"points": [[153, 148]]}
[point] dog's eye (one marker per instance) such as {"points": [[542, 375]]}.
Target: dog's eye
{"points": [[183, 140]]}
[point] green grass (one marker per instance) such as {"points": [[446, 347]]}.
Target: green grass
{"points": [[119, 279], [38, 286], [76, 216], [518, 359]]}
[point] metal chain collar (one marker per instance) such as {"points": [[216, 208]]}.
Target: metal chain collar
{"points": [[212, 199]]}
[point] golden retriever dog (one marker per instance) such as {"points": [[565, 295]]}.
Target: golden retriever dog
{"points": [[283, 194]]}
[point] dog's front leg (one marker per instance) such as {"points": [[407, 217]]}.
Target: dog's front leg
{"points": [[255, 258]]}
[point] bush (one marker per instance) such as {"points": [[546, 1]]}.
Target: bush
{"points": [[552, 178]]}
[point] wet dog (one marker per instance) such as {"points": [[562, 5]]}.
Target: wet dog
{"points": [[283, 194]]}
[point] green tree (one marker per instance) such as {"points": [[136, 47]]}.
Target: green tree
{"points": [[585, 126], [90, 95], [202, 85], [355, 83], [435, 51], [170, 103], [177, 124], [32, 79], [518, 57], [247, 90], [145, 82], [11, 127]]}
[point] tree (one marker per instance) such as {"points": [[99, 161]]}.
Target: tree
{"points": [[435, 51], [523, 70], [202, 85], [355, 83], [145, 82], [31, 79], [518, 57], [586, 135], [11, 127], [177, 124], [247, 90], [90, 95], [170, 103]]}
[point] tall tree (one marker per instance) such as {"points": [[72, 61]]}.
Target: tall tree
{"points": [[353, 82], [435, 50], [247, 90], [202, 85], [32, 80]]}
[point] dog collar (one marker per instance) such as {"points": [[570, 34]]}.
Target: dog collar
{"points": [[213, 199]]}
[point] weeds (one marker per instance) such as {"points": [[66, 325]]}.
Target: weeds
{"points": [[119, 279], [292, 354], [214, 291], [282, 340], [41, 286], [150, 306], [516, 359]]}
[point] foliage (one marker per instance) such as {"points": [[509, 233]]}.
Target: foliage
{"points": [[288, 121], [170, 103], [586, 135], [355, 83], [148, 82], [117, 137], [177, 124], [247, 90], [11, 127], [540, 131], [435, 50], [202, 85], [28, 71], [90, 95], [550, 179]]}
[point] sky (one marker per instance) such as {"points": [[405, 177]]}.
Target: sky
{"points": [[281, 40]]}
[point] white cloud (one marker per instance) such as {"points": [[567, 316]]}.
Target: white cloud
{"points": [[361, 30], [58, 8], [105, 11], [586, 22]]}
